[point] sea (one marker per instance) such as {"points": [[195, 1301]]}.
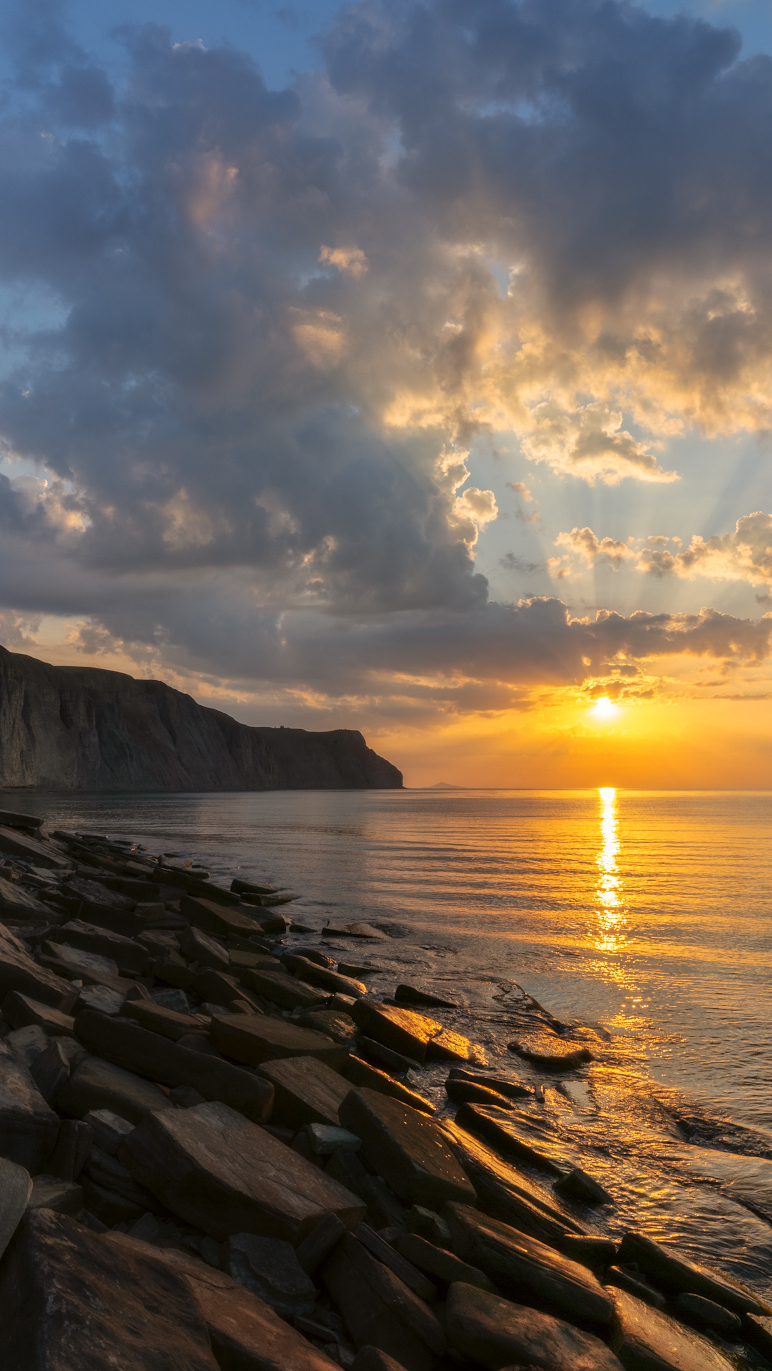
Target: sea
{"points": [[641, 920]]}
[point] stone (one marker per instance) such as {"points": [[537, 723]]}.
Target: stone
{"points": [[463, 1092], [550, 1052], [284, 990], [505, 1192], [409, 994], [396, 1262], [326, 1139], [373, 1359], [218, 987], [758, 1331], [270, 1269], [361, 1074], [441, 1264], [22, 1011], [70, 1299], [127, 955], [262, 1039], [513, 1090], [174, 971], [32, 850], [521, 1265], [379, 1310], [680, 1276], [134, 1048], [26, 1044], [340, 1027], [623, 1280], [312, 1251], [306, 1090], [158, 1019], [400, 1029], [109, 1129], [511, 1135], [248, 1336], [50, 1070], [322, 976], [28, 1127], [224, 1174], [408, 1149], [199, 947], [596, 1252], [102, 1085], [383, 1208], [72, 1148], [185, 1096], [498, 1333], [50, 1192], [15, 1190], [702, 1313], [578, 1185], [11, 819], [19, 973], [77, 965], [385, 1057], [355, 930], [101, 998], [212, 917], [428, 1224], [21, 904], [645, 1339], [107, 1205], [176, 1001]]}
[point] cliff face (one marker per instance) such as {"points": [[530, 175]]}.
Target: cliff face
{"points": [[79, 728]]}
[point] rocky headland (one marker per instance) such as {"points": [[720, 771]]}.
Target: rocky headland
{"points": [[68, 728], [222, 1145]]}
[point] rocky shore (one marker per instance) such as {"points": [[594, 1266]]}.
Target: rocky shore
{"points": [[221, 1146]]}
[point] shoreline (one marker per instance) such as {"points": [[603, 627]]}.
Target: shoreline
{"points": [[218, 987]]}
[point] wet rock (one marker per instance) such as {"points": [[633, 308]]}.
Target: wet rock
{"points": [[355, 930], [396, 1262], [463, 1092], [19, 973], [109, 1129], [28, 1127], [646, 1340], [408, 1149], [550, 1052], [356, 969], [379, 1310], [758, 1332], [306, 1090], [513, 1090], [506, 1193], [101, 1085], [498, 1333], [158, 1019], [441, 1264], [623, 1280], [408, 994], [282, 989], [361, 1074], [212, 917], [524, 1267], [199, 947], [702, 1313], [270, 1269], [309, 971], [340, 1027], [400, 1029], [15, 1190], [577, 1185], [448, 1046], [135, 1048], [71, 1300], [509, 1136], [314, 1248], [126, 954], [71, 1151], [680, 1276], [101, 998], [50, 1070], [218, 1171], [21, 1011], [426, 1223], [596, 1253], [49, 1192], [384, 1057], [262, 1039]]}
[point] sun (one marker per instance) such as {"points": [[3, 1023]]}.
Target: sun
{"points": [[604, 709]]}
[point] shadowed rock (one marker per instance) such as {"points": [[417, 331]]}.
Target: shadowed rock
{"points": [[498, 1333], [408, 1149]]}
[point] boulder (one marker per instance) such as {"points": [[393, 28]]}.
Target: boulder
{"points": [[21, 1011], [579, 1186], [469, 1092], [26, 1044], [444, 1266], [199, 947], [269, 1268], [50, 1070], [384, 1057], [248, 1336], [218, 987], [263, 1039], [550, 1052], [128, 955], [646, 1340], [523, 1266], [409, 994], [72, 1301], [77, 965], [514, 1090], [312, 1251], [51, 1192], [511, 1135], [408, 1149], [396, 1262], [327, 1138], [12, 819], [427, 1223], [506, 1193], [322, 976], [158, 1019], [15, 1190], [448, 1046], [372, 1359], [212, 917], [71, 1152], [149, 1054], [18, 903], [334, 1024], [400, 1029], [28, 1127], [100, 998], [680, 1276], [305, 1091], [283, 989], [32, 850], [18, 972], [702, 1313], [361, 1074], [102, 1085], [110, 1130], [220, 1172], [498, 1333], [379, 1310]]}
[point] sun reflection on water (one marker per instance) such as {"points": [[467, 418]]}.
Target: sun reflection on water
{"points": [[609, 891]]}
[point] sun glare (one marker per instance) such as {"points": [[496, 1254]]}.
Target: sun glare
{"points": [[604, 709]]}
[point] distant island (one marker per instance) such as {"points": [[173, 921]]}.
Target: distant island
{"points": [[69, 728], [445, 785]]}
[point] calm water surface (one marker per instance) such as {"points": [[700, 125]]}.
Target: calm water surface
{"points": [[645, 914]]}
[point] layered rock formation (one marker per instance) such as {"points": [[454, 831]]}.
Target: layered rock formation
{"points": [[80, 728]]}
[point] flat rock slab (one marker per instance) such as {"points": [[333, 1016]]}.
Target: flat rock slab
{"points": [[372, 1078], [680, 1276], [22, 1011], [283, 989], [444, 1266], [379, 1310], [305, 1091], [270, 1269], [28, 1127], [261, 1039], [212, 917], [550, 1052], [400, 1029], [49, 1192], [523, 1266], [410, 994], [18, 903], [19, 972], [646, 1340], [137, 1049], [101, 1085], [158, 1019], [127, 954], [448, 1046], [498, 1333], [33, 850], [332, 1022], [71, 1301], [470, 1092], [511, 1136], [408, 1149], [15, 1190], [215, 1169], [247, 1335], [356, 930], [330, 980]]}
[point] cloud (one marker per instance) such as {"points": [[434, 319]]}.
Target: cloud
{"points": [[591, 547], [589, 442], [742, 555]]}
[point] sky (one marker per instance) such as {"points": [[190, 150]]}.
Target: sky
{"points": [[401, 366]]}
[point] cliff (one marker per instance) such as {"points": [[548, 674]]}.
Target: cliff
{"points": [[80, 728]]}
